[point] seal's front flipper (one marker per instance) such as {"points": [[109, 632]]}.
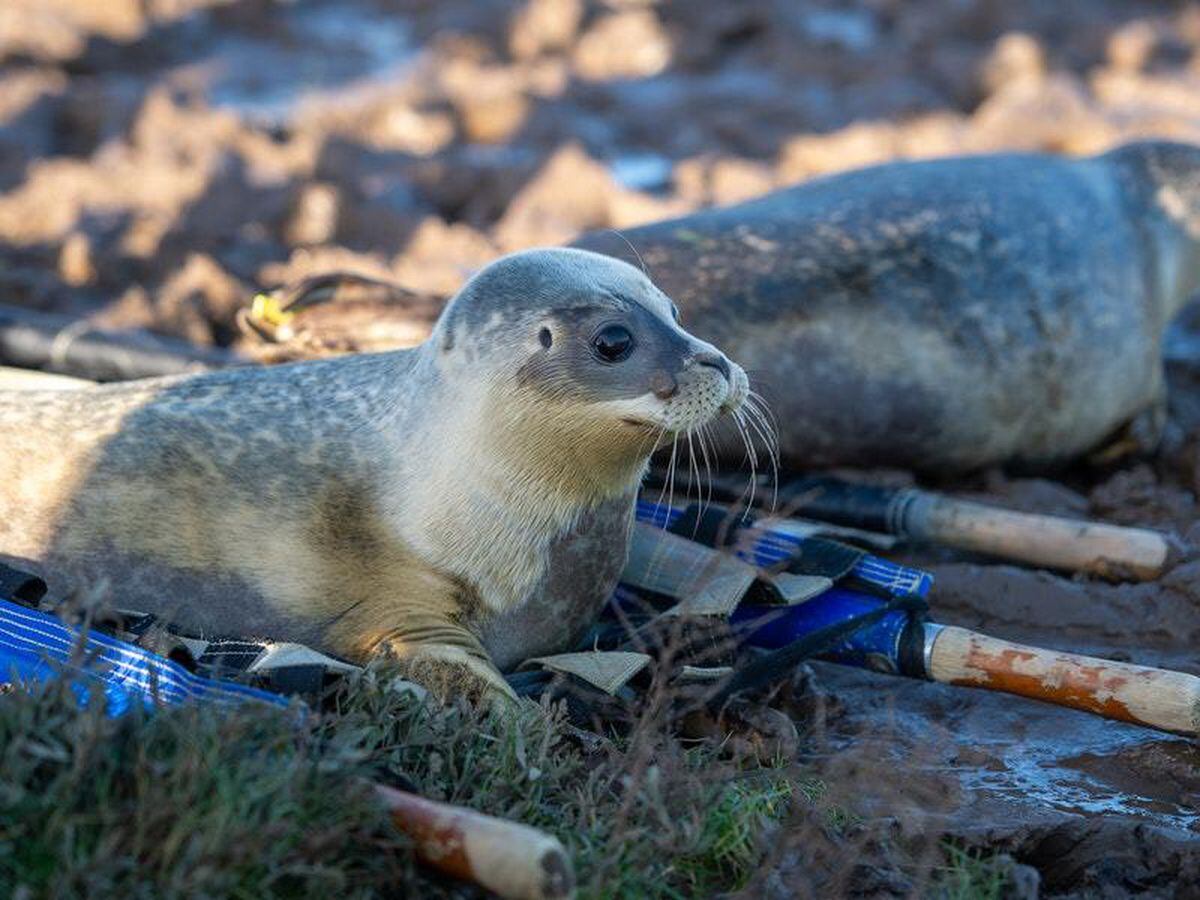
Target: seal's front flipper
{"points": [[452, 665]]}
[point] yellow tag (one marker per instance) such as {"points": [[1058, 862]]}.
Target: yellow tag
{"points": [[265, 308]]}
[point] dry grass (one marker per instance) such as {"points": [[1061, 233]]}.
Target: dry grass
{"points": [[260, 802]]}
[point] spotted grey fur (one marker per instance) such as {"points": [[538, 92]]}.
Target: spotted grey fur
{"points": [[946, 314], [462, 505]]}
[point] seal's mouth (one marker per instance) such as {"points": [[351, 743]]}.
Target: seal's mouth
{"points": [[640, 423], [739, 391]]}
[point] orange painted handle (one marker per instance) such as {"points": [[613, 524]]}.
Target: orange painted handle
{"points": [[1159, 698], [1051, 541], [509, 859]]}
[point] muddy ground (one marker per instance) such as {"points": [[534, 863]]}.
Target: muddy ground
{"points": [[161, 160]]}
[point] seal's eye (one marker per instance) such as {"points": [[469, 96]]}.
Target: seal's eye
{"points": [[545, 338], [612, 343]]}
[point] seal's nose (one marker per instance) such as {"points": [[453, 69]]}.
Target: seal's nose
{"points": [[714, 361]]}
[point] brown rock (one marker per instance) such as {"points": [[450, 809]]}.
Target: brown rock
{"points": [[544, 25], [1131, 46], [1054, 114], [489, 100], [573, 193], [306, 262], [858, 145], [568, 195], [629, 44], [735, 180], [75, 260], [314, 215], [198, 299], [1017, 57], [440, 257]]}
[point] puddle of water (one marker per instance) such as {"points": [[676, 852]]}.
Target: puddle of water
{"points": [[642, 171], [854, 30], [1105, 769], [1032, 758]]}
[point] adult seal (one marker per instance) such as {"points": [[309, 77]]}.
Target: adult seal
{"points": [[948, 314], [461, 505]]}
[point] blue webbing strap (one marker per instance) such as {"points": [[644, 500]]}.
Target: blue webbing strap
{"points": [[906, 587], [36, 646], [771, 548], [774, 665]]}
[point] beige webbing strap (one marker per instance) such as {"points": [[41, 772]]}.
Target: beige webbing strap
{"points": [[807, 528], [704, 673], [707, 582], [12, 379], [276, 656], [195, 646], [796, 589], [607, 670]]}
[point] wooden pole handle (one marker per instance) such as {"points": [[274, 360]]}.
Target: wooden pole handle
{"points": [[509, 859], [1160, 698], [1048, 541]]}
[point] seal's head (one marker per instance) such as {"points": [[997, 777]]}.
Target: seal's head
{"points": [[1161, 180], [583, 352]]}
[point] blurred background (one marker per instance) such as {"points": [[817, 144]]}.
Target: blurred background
{"points": [[160, 160]]}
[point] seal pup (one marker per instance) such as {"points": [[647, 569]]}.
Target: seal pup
{"points": [[428, 503], [948, 314]]}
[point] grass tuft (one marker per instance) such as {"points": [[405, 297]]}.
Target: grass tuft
{"points": [[972, 875]]}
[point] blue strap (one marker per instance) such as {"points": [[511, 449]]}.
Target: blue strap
{"points": [[36, 646], [771, 548]]}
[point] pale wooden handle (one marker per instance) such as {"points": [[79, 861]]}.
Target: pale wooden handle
{"points": [[509, 859], [12, 379], [1159, 698], [1048, 541]]}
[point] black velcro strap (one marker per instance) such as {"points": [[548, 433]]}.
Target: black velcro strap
{"points": [[306, 679], [866, 506], [820, 556], [224, 658], [137, 623], [21, 587], [774, 665], [529, 682]]}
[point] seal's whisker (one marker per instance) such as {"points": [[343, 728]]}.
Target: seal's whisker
{"points": [[756, 419], [667, 493], [751, 454], [668, 488], [758, 407], [693, 469], [765, 430], [674, 468], [761, 402], [662, 493], [739, 420], [702, 434], [638, 256], [652, 438], [768, 431]]}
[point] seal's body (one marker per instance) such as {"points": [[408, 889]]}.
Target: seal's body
{"points": [[945, 314], [427, 502]]}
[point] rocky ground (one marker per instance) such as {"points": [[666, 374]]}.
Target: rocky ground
{"points": [[162, 160]]}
